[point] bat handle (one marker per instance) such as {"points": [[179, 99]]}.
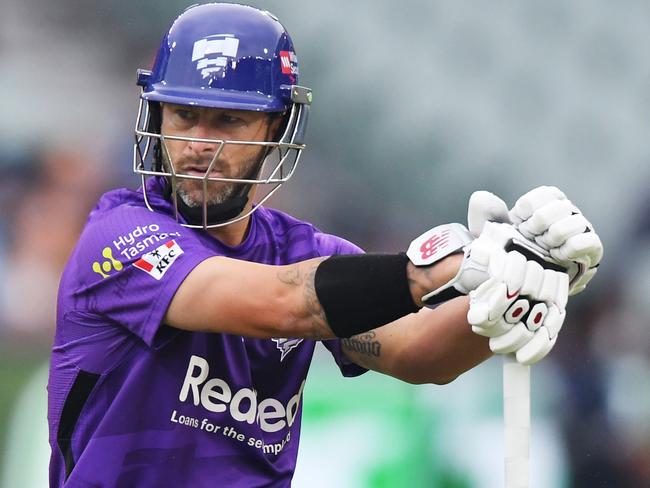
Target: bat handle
{"points": [[516, 422]]}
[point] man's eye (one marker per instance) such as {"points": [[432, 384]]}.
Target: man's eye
{"points": [[184, 114], [229, 119]]}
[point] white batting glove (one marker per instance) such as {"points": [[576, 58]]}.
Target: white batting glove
{"points": [[514, 300], [545, 216], [557, 225], [521, 307]]}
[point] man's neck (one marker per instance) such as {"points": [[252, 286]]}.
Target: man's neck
{"points": [[231, 234], [235, 233]]}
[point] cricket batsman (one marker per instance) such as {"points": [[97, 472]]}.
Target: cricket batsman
{"points": [[189, 311]]}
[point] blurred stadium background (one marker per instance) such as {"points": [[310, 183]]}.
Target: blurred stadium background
{"points": [[416, 105]]}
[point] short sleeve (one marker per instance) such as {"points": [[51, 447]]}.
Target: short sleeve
{"points": [[126, 268], [347, 367]]}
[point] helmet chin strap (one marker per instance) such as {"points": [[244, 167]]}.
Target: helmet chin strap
{"points": [[216, 213]]}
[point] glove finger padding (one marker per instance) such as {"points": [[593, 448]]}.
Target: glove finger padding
{"points": [[533, 279], [585, 248], [581, 254], [494, 329], [488, 302], [562, 230], [512, 340], [520, 308], [513, 271], [536, 316], [517, 311], [536, 198], [544, 339], [485, 207], [544, 217], [537, 348], [579, 284], [554, 320]]}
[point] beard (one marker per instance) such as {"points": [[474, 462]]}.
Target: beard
{"points": [[191, 192]]}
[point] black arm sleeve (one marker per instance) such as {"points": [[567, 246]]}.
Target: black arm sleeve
{"points": [[362, 292]]}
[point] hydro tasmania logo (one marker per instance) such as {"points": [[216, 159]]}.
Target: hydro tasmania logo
{"points": [[286, 345], [157, 262], [212, 53], [110, 264]]}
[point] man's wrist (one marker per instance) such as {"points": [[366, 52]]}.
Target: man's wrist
{"points": [[423, 279]]}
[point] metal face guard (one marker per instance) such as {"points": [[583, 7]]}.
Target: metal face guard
{"points": [[276, 167]]}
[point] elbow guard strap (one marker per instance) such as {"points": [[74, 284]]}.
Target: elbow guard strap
{"points": [[360, 292]]}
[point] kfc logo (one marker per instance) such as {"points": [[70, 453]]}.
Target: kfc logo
{"points": [[157, 262]]}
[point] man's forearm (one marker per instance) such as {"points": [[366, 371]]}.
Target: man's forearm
{"points": [[443, 346], [432, 346]]}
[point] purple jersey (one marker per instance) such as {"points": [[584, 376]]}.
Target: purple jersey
{"points": [[136, 403]]}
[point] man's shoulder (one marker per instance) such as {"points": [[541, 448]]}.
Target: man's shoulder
{"points": [[122, 206], [126, 200], [119, 230], [281, 220], [331, 244], [295, 230]]}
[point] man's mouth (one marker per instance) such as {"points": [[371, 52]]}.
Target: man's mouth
{"points": [[201, 172]]}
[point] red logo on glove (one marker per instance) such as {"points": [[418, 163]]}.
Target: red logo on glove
{"points": [[434, 244]]}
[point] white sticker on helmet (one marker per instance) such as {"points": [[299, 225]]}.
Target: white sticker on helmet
{"points": [[213, 52]]}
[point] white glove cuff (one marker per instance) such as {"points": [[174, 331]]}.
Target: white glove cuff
{"points": [[435, 245]]}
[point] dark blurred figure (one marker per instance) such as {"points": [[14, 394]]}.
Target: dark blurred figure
{"points": [[605, 357], [593, 446]]}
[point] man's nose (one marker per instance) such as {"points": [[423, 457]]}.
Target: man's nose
{"points": [[204, 130]]}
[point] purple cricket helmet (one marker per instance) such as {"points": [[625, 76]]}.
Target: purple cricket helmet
{"points": [[225, 56]]}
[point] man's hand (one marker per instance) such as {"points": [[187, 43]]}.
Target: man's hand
{"points": [[516, 297], [546, 217], [521, 307]]}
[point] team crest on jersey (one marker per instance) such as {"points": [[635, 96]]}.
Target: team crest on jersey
{"points": [[286, 345], [157, 262], [213, 53]]}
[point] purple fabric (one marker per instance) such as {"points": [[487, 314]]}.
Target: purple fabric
{"points": [[170, 407]]}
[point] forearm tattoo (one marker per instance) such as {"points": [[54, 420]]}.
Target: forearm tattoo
{"points": [[303, 276], [290, 276], [365, 349], [366, 344]]}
